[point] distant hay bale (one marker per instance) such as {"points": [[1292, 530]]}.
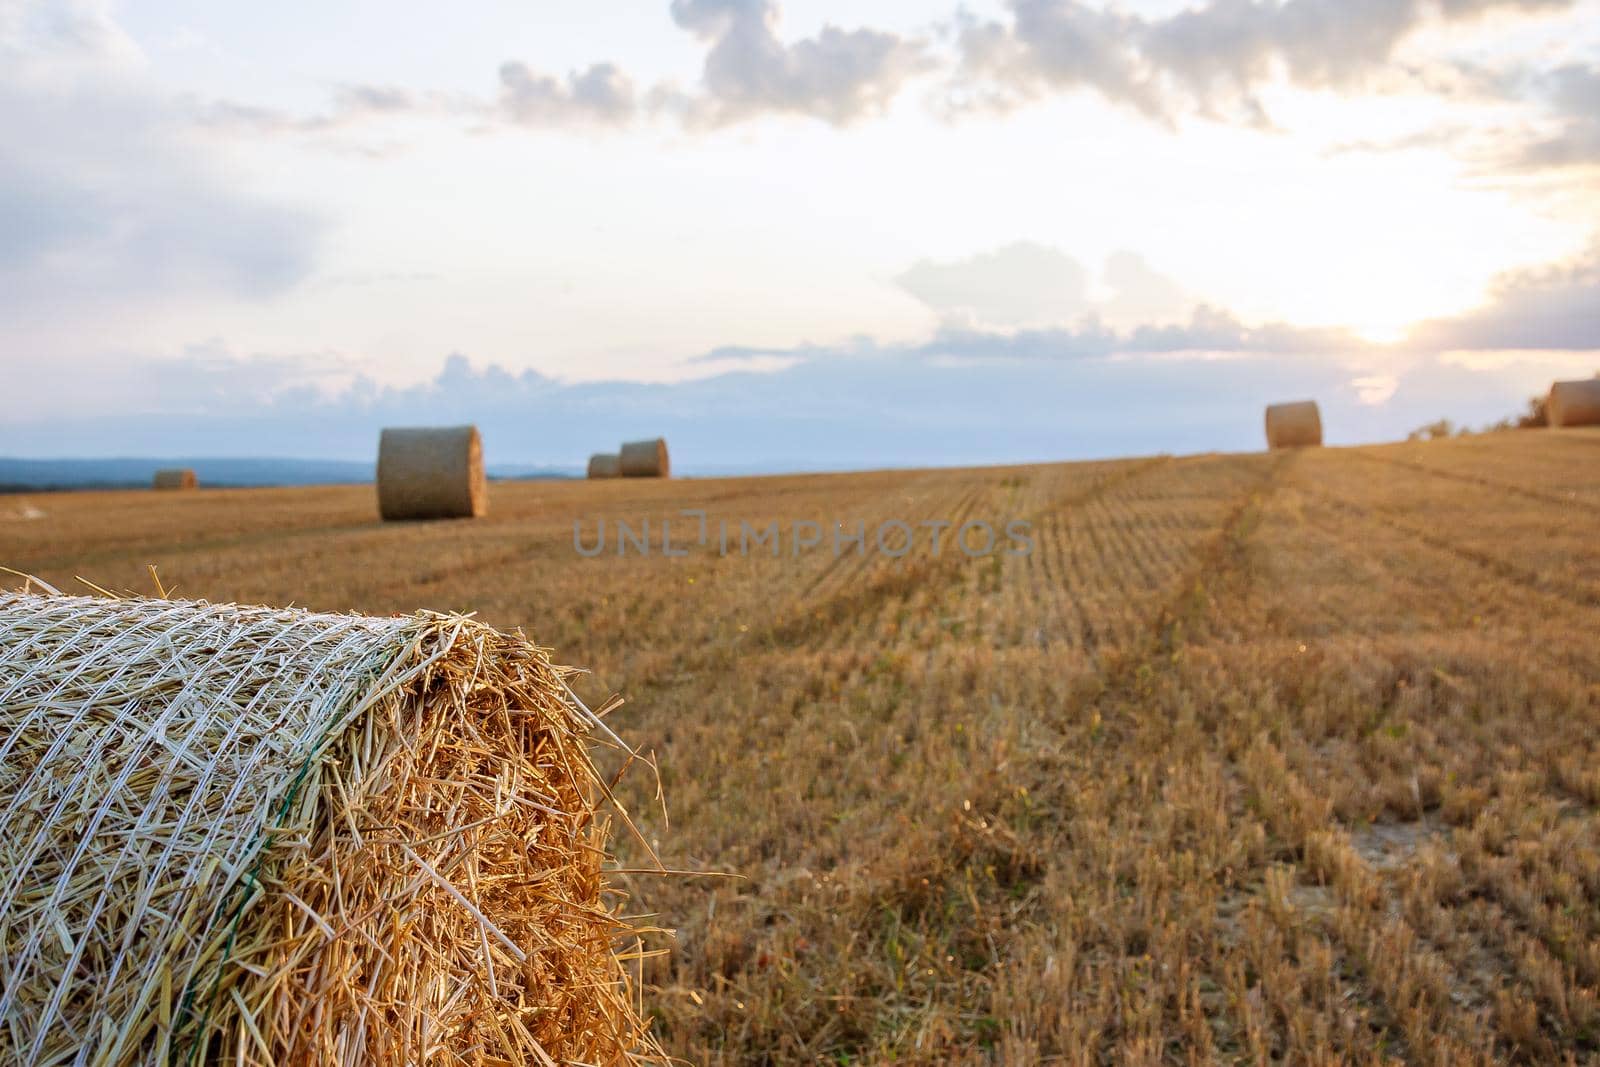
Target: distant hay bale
{"points": [[1295, 425], [645, 459], [174, 478], [431, 473], [238, 835], [23, 512], [1574, 403], [605, 465]]}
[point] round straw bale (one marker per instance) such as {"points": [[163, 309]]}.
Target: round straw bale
{"points": [[645, 459], [1295, 425], [431, 472], [174, 478], [605, 465], [258, 836], [1574, 403]]}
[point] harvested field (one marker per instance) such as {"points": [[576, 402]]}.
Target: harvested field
{"points": [[1287, 757]]}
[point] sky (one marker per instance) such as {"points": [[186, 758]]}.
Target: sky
{"points": [[788, 236]]}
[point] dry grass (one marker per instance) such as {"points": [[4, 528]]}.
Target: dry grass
{"points": [[257, 836], [1255, 759]]}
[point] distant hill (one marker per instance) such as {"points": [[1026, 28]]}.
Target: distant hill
{"points": [[34, 475]]}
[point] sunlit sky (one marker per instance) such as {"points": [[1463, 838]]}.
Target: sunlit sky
{"points": [[233, 210]]}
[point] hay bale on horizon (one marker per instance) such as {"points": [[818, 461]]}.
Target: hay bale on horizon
{"points": [[255, 835], [645, 459], [174, 478], [605, 465], [1294, 425], [1574, 403], [431, 472]]}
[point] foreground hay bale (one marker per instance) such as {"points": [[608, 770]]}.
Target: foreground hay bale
{"points": [[243, 835], [605, 465], [431, 473], [175, 478], [1574, 403], [645, 459], [1294, 425]]}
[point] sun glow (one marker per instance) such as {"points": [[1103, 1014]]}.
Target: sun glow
{"points": [[1383, 332]]}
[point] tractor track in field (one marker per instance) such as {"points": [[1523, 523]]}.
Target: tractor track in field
{"points": [[1121, 685], [1113, 682], [1223, 565], [1482, 482], [842, 567], [1526, 578], [924, 572], [1220, 564], [1213, 560]]}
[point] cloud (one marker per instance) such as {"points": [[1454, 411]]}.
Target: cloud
{"points": [[1225, 49], [1026, 283], [212, 376], [848, 408], [600, 95], [1055, 45], [855, 405], [350, 106], [36, 35], [1021, 282], [1375, 390], [1210, 59], [158, 223], [1208, 331], [838, 76], [1555, 124], [1140, 293], [1572, 95], [1553, 308], [964, 395]]}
